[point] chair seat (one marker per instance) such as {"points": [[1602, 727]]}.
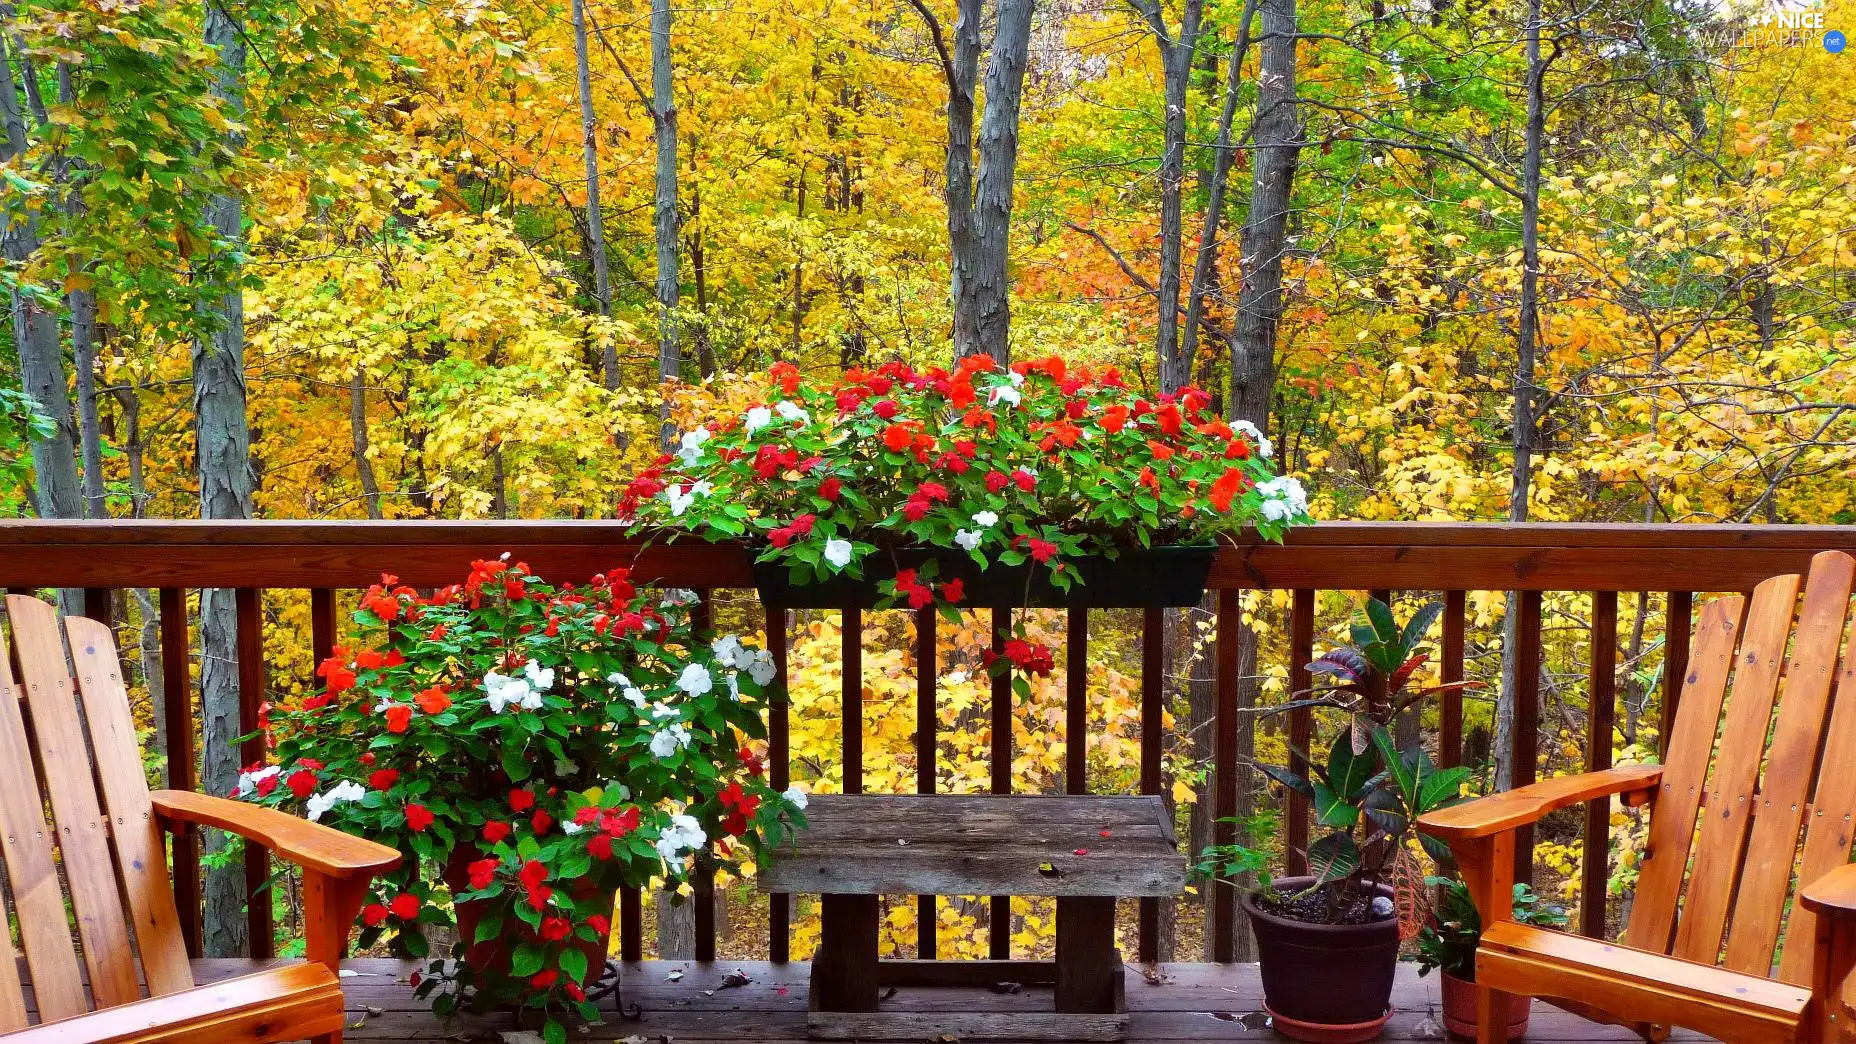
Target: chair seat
{"points": [[1651, 987], [284, 1003]]}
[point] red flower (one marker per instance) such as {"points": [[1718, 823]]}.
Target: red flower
{"points": [[438, 633], [405, 906], [1024, 480], [495, 831], [996, 481], [368, 659], [830, 488], [433, 700], [373, 914], [521, 800], [1228, 486], [538, 897], [573, 991], [586, 815], [885, 408], [1239, 449], [541, 980], [1114, 418], [302, 783], [338, 674], [618, 824], [750, 761], [266, 786], [916, 509], [399, 716], [384, 779], [418, 817], [600, 846], [541, 821], [554, 929], [1149, 480], [482, 872], [897, 438], [786, 375], [533, 873], [954, 591], [600, 923], [932, 491]]}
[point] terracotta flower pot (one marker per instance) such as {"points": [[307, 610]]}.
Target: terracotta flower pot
{"points": [[493, 955], [1325, 983], [1460, 1009]]}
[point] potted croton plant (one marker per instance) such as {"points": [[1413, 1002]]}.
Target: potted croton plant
{"points": [[1328, 941], [1448, 942], [1037, 484], [531, 749]]}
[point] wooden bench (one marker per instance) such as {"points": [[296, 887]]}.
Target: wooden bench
{"points": [[1084, 850]]}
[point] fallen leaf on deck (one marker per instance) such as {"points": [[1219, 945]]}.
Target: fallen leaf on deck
{"points": [[1427, 1029], [1154, 975], [1007, 987], [887, 994], [735, 978], [1080, 851], [521, 1037], [676, 975]]}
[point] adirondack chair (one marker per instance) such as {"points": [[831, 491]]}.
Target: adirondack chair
{"points": [[1709, 965], [110, 844]]}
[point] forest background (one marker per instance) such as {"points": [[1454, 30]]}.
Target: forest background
{"points": [[1463, 259]]}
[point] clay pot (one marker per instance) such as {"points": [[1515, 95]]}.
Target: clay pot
{"points": [[1460, 1009], [493, 955], [1325, 983]]}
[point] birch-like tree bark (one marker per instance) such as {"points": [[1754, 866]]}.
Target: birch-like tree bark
{"points": [[223, 434], [1204, 266], [664, 124], [1276, 136], [357, 433], [81, 302], [595, 220], [1176, 55]]}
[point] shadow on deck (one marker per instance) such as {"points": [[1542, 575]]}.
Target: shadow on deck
{"points": [[1195, 1002]]}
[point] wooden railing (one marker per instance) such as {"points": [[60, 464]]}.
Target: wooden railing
{"points": [[1672, 563]]}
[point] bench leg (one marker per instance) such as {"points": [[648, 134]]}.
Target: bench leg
{"points": [[844, 969], [1089, 975]]}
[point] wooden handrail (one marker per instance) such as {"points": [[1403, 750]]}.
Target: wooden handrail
{"points": [[1330, 555]]}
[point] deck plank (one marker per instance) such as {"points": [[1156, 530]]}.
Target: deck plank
{"points": [[1197, 1002]]}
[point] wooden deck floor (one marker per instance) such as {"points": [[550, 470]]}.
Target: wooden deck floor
{"points": [[1196, 1002]]}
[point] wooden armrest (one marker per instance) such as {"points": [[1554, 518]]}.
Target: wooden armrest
{"points": [[1510, 809], [1833, 893], [309, 845]]}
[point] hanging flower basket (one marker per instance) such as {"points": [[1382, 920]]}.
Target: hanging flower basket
{"points": [[1168, 576]]}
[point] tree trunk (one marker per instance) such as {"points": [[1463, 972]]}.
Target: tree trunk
{"points": [[990, 293], [1206, 262], [1277, 136], [81, 300], [962, 72], [595, 220], [664, 123], [147, 609], [224, 448], [1525, 419], [357, 427], [35, 336], [1176, 59]]}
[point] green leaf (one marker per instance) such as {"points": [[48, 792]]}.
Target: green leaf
{"points": [[553, 1032], [490, 927], [573, 964], [1298, 784], [1333, 810], [1441, 788], [1380, 615], [1332, 857], [515, 765], [1348, 772], [526, 961], [1420, 624]]}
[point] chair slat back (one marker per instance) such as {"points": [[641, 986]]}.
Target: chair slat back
{"points": [[141, 849], [1758, 746], [32, 875], [1791, 762], [99, 875], [1685, 772]]}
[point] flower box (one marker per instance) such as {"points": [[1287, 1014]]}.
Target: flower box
{"points": [[1164, 576]]}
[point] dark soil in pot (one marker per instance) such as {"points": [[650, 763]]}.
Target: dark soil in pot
{"points": [[1327, 977]]}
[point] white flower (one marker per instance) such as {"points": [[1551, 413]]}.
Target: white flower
{"points": [[758, 418], [955, 677], [1283, 499], [664, 712], [695, 680], [968, 538], [568, 826], [1005, 393], [680, 499], [1018, 379], [734, 687], [683, 835], [346, 790], [795, 797], [618, 681], [635, 695], [985, 519], [729, 650], [669, 740], [540, 678], [1244, 426], [761, 668], [791, 411], [690, 449], [500, 692], [248, 781], [838, 553], [675, 596]]}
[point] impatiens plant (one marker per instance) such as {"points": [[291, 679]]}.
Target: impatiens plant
{"points": [[1038, 463], [531, 749]]}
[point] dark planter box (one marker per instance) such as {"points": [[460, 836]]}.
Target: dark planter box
{"points": [[1171, 575]]}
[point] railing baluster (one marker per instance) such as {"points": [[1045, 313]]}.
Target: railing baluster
{"points": [[183, 764], [702, 618], [927, 670], [1602, 690], [1301, 727], [779, 772], [1153, 712], [1076, 704], [1224, 772], [1526, 719], [1677, 625], [323, 625], [999, 922], [249, 606], [1450, 715], [851, 653], [99, 604]]}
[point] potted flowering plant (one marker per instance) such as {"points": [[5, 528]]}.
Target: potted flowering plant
{"points": [[1037, 484], [530, 749], [1448, 942], [1328, 942]]}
